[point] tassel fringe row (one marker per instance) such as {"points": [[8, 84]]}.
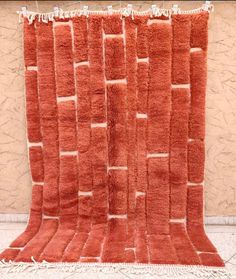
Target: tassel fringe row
{"points": [[154, 11], [163, 270]]}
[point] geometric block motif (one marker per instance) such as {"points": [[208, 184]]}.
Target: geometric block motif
{"points": [[116, 126]]}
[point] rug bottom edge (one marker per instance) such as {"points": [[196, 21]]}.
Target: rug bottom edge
{"points": [[166, 271]]}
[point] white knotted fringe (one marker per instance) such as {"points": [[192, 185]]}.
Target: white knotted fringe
{"points": [[164, 271], [128, 11]]}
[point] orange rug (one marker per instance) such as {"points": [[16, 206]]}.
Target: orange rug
{"points": [[116, 126]]}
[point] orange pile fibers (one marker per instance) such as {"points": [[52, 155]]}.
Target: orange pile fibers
{"points": [[116, 125]]}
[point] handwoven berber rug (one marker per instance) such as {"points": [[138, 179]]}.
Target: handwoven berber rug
{"points": [[115, 110]]}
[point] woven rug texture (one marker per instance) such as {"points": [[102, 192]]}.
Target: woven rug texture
{"points": [[116, 125]]}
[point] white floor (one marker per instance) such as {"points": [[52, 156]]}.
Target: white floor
{"points": [[224, 238]]}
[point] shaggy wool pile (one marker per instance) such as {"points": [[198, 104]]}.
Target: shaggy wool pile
{"points": [[116, 125]]}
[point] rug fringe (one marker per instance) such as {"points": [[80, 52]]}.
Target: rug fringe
{"points": [[166, 271], [128, 11]]}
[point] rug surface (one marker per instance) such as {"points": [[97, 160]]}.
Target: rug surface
{"points": [[116, 124]]}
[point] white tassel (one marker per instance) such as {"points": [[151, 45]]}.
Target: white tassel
{"points": [[128, 11], [44, 18], [154, 10], [208, 6], [51, 17], [109, 10], [85, 11], [56, 12], [175, 9]]}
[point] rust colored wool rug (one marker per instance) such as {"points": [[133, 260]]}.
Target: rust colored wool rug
{"points": [[115, 111]]}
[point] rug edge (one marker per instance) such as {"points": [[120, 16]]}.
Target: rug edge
{"points": [[164, 270]]}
